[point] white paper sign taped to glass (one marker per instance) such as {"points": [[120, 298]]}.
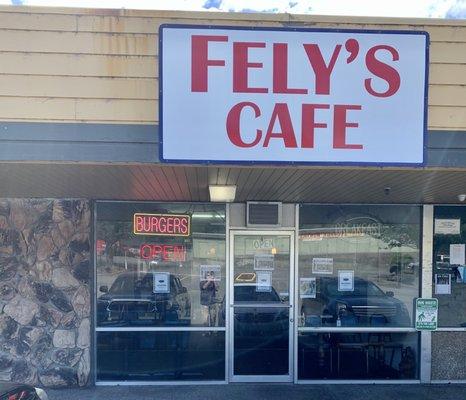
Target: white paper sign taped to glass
{"points": [[210, 273], [322, 266], [307, 288], [442, 284], [447, 226], [264, 281], [161, 282], [264, 262], [457, 254], [277, 95], [346, 281]]}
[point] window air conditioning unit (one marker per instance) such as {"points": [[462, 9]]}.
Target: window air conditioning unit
{"points": [[260, 214]]}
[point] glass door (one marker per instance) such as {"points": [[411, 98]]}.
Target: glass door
{"points": [[261, 301]]}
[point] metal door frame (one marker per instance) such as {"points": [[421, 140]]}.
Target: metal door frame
{"points": [[230, 320]]}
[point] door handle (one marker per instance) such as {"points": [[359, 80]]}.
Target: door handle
{"points": [[291, 320]]}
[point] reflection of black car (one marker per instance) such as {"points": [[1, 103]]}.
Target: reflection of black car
{"points": [[256, 321], [366, 305], [131, 301], [259, 321]]}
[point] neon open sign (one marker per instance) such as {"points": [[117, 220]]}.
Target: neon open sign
{"points": [[161, 224], [165, 252]]}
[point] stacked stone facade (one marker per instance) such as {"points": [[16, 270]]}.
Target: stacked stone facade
{"points": [[45, 275]]}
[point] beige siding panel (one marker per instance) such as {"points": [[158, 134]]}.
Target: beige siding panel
{"points": [[118, 24], [37, 108], [151, 25], [447, 95], [143, 44], [448, 74], [448, 53], [78, 65], [117, 110], [39, 22], [90, 87], [80, 42], [447, 117]]}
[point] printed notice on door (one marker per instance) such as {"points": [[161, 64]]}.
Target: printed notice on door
{"points": [[447, 226], [322, 266]]}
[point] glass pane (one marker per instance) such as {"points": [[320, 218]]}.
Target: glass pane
{"points": [[449, 273], [261, 341], [355, 355], [160, 356], [160, 280], [262, 269], [358, 265]]}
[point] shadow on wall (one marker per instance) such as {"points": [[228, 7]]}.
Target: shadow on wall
{"points": [[44, 291]]}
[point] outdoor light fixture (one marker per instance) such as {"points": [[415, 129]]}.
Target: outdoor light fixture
{"points": [[462, 197], [222, 193]]}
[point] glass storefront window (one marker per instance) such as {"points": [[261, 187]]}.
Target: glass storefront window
{"points": [[173, 278], [449, 269], [358, 265], [358, 355], [160, 356]]}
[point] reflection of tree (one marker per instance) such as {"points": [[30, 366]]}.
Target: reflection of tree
{"points": [[397, 235], [113, 233]]}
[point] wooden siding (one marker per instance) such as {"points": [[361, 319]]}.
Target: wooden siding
{"points": [[101, 65]]}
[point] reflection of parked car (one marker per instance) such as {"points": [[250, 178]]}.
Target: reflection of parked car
{"points": [[131, 301], [367, 304], [256, 321]]}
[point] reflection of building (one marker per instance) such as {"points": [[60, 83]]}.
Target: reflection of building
{"points": [[79, 104]]}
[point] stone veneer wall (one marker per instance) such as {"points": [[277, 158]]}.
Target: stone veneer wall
{"points": [[45, 274], [449, 355]]}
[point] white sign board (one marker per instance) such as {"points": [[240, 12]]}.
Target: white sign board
{"points": [[457, 254], [161, 282], [345, 281], [447, 226], [322, 265], [271, 95], [264, 281], [264, 262]]}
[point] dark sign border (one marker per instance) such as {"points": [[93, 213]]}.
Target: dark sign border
{"points": [[284, 163]]}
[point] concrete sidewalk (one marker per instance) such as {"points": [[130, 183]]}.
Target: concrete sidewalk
{"points": [[266, 392]]}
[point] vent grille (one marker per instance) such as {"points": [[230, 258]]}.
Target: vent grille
{"points": [[264, 214]]}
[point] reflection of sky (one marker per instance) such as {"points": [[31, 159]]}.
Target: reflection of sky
{"points": [[393, 8]]}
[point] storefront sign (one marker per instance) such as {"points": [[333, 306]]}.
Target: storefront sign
{"points": [[231, 94], [161, 224], [426, 314], [164, 252], [262, 244]]}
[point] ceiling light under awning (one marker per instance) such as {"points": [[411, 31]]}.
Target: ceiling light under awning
{"points": [[222, 193]]}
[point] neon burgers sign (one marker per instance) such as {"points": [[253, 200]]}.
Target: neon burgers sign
{"points": [[161, 224]]}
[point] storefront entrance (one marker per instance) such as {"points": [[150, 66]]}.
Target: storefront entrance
{"points": [[261, 306]]}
